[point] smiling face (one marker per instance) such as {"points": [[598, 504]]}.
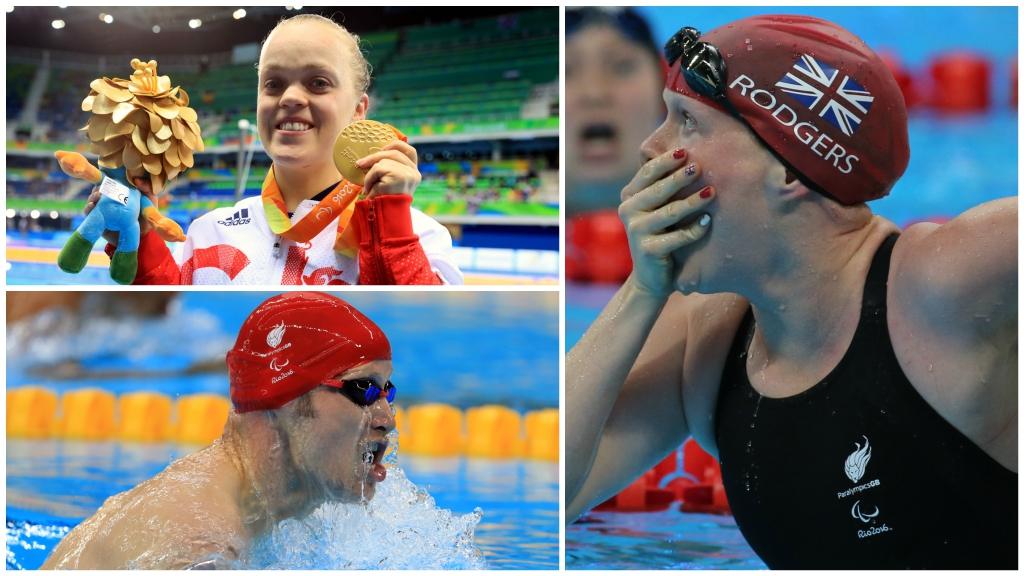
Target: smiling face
{"points": [[338, 445], [612, 88], [745, 175], [308, 92]]}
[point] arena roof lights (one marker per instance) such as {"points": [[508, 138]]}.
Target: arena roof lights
{"points": [[57, 24], [107, 18], [195, 23], [165, 30], [238, 14]]}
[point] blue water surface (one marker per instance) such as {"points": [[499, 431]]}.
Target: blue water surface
{"points": [[54, 485], [463, 349]]}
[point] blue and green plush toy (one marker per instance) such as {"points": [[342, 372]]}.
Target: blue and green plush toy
{"points": [[117, 210], [145, 126]]}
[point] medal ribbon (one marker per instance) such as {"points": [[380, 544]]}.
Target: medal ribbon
{"points": [[340, 203]]}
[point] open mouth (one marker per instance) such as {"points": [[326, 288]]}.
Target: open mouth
{"points": [[599, 141], [598, 132], [294, 126], [373, 456]]}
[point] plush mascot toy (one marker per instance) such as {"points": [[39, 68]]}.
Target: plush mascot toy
{"points": [[147, 127]]}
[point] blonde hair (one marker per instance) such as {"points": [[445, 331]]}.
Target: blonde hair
{"points": [[360, 66]]}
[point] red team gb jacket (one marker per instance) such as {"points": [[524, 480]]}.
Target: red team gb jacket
{"points": [[397, 245]]}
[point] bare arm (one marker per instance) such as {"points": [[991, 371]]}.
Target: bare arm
{"points": [[953, 316], [962, 275], [624, 406]]}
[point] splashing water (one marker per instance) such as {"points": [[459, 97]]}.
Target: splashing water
{"points": [[401, 528]]}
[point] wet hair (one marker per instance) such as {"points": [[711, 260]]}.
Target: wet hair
{"points": [[626, 21], [360, 67]]}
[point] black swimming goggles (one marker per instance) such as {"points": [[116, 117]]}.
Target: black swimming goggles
{"points": [[701, 64], [362, 391]]}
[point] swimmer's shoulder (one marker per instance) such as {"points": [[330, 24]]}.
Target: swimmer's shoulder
{"points": [[952, 319], [702, 328], [947, 273]]}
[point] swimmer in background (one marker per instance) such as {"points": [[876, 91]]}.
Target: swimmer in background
{"points": [[613, 81], [312, 82], [311, 394], [857, 383]]}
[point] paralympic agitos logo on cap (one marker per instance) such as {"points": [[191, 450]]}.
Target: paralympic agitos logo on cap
{"points": [[835, 97]]}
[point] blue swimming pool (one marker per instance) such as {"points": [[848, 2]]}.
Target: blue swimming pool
{"points": [[669, 540], [54, 485], [463, 349], [456, 348]]}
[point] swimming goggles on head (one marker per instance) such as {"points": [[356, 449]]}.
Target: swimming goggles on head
{"points": [[702, 64], [703, 68], [362, 391]]}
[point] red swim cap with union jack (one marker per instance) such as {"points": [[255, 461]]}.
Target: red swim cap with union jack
{"points": [[818, 97]]}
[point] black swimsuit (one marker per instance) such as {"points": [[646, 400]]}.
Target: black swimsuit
{"points": [[859, 471]]}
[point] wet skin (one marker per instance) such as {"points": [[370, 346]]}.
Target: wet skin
{"points": [[268, 466], [646, 374]]}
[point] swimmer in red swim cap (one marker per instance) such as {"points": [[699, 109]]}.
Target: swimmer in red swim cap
{"points": [[846, 373], [310, 385]]}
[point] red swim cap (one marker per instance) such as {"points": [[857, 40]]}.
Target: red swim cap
{"points": [[818, 97], [292, 342]]}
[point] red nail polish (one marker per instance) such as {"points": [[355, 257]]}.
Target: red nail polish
{"points": [[679, 154], [706, 192]]}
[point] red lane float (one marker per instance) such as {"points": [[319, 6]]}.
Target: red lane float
{"points": [[1013, 83], [904, 79], [960, 83], [597, 248], [688, 475]]}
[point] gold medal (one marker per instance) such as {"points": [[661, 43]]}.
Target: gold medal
{"points": [[357, 140]]}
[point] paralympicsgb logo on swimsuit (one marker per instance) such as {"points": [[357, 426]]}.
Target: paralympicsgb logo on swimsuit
{"points": [[858, 460], [846, 102]]}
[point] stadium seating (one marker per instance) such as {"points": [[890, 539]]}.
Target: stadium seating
{"points": [[476, 75]]}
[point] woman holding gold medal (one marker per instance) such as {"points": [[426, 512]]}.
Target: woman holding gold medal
{"points": [[334, 209]]}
